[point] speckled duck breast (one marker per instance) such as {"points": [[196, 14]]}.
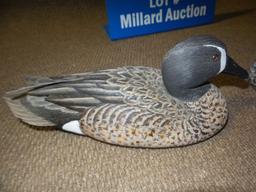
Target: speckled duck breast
{"points": [[142, 113]]}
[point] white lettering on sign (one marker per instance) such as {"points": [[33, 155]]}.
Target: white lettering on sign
{"points": [[189, 12], [158, 3], [175, 2], [138, 19]]}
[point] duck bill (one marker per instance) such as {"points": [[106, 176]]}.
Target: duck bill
{"points": [[233, 68]]}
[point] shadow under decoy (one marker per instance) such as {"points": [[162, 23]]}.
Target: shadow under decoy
{"points": [[38, 128], [225, 16], [228, 80]]}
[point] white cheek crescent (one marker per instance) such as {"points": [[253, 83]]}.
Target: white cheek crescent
{"points": [[223, 58], [73, 127]]}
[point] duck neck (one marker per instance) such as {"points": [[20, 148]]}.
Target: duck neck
{"points": [[188, 94], [184, 86]]}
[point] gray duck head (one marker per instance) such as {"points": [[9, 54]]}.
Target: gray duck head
{"points": [[188, 66]]}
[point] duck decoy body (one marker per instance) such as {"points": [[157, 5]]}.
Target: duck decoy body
{"points": [[136, 106]]}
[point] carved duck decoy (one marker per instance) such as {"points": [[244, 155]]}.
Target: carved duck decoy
{"points": [[136, 106]]}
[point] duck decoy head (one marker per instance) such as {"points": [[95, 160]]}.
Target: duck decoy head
{"points": [[188, 66]]}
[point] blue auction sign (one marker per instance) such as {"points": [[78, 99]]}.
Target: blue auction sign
{"points": [[127, 18]]}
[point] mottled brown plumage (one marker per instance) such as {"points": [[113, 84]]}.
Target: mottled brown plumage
{"points": [[149, 116]]}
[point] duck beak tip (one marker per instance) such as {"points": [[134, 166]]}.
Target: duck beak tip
{"points": [[233, 68]]}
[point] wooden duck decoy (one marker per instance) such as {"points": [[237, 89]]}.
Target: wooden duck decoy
{"points": [[136, 106]]}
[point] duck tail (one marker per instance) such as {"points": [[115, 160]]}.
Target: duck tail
{"points": [[19, 110]]}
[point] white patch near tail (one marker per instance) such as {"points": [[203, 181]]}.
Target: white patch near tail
{"points": [[73, 127]]}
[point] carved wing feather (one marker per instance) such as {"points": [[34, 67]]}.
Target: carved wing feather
{"points": [[51, 97]]}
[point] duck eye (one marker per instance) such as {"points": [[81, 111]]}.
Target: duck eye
{"points": [[215, 57]]}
